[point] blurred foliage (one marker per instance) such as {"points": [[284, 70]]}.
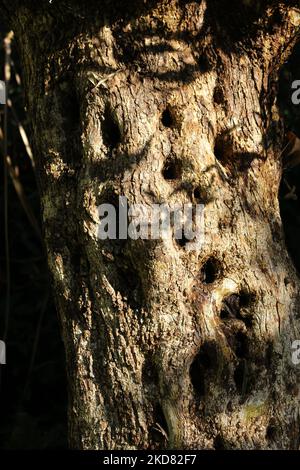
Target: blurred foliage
{"points": [[33, 400]]}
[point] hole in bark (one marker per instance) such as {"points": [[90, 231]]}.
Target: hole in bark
{"points": [[149, 372], [204, 64], [269, 354], [219, 443], [240, 377], [182, 241], [210, 271], [223, 148], [276, 18], [172, 169], [197, 377], [167, 118], [271, 432], [218, 95], [197, 194], [229, 156], [204, 361], [232, 305], [218, 150], [201, 196], [246, 299], [241, 345], [110, 129], [230, 407], [237, 338], [223, 314], [159, 429], [243, 160]]}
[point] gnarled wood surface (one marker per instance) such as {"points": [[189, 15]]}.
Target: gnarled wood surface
{"points": [[161, 102]]}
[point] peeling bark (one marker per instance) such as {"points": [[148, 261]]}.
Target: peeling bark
{"points": [[167, 101]]}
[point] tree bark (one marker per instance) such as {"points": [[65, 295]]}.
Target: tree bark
{"points": [[164, 102]]}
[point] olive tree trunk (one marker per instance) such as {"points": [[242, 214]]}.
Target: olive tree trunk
{"points": [[166, 102]]}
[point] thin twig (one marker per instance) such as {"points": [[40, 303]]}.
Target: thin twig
{"points": [[22, 133], [103, 80], [17, 75], [160, 429], [21, 194], [22, 197]]}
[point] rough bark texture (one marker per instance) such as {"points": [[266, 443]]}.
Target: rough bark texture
{"points": [[164, 101]]}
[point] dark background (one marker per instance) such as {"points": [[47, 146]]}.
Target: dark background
{"points": [[33, 391]]}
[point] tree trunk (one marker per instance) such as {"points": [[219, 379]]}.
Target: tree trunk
{"points": [[164, 102]]}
